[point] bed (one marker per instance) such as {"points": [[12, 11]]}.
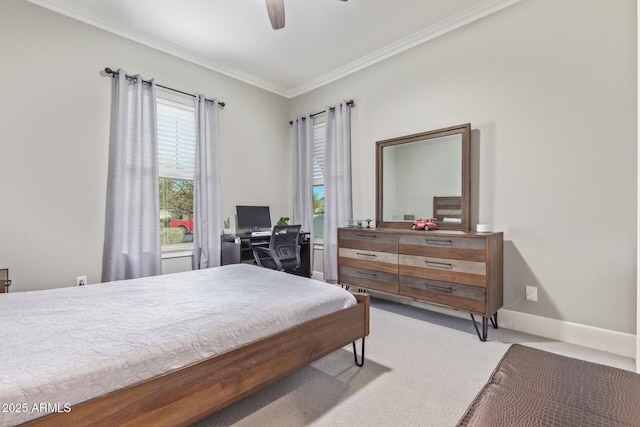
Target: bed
{"points": [[532, 387], [165, 350]]}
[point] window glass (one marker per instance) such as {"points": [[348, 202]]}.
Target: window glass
{"points": [[318, 211], [176, 211]]}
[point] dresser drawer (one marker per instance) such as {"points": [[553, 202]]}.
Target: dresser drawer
{"points": [[367, 255], [369, 263], [435, 240], [454, 295], [370, 279], [371, 240], [452, 247], [444, 264], [444, 269]]}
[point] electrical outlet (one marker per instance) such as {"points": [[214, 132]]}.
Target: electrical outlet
{"points": [[531, 293], [81, 280]]}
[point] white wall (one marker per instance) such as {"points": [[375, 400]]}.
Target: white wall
{"points": [[54, 133], [549, 87]]}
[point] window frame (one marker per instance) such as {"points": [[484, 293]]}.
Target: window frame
{"points": [[319, 151], [176, 249]]}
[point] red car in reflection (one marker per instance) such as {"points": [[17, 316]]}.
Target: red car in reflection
{"points": [[425, 224]]}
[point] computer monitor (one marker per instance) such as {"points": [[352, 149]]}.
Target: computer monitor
{"points": [[253, 218]]}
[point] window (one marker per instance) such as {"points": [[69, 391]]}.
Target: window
{"points": [[176, 159], [318, 176]]}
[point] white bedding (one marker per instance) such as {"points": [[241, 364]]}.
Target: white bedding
{"points": [[63, 346]]}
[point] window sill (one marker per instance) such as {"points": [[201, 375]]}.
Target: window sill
{"points": [[177, 251]]}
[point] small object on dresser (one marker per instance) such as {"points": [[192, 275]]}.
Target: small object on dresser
{"points": [[354, 223], [425, 224]]}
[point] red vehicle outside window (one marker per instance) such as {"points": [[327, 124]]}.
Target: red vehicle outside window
{"points": [[187, 225]]}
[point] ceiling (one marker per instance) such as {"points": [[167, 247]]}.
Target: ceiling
{"points": [[323, 40]]}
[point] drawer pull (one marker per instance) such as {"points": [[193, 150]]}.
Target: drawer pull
{"points": [[446, 289], [367, 255], [366, 273], [439, 242], [367, 236], [435, 264]]}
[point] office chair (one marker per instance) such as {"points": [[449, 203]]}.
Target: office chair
{"points": [[283, 252]]}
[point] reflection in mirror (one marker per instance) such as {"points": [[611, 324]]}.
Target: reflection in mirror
{"points": [[416, 173], [424, 176]]}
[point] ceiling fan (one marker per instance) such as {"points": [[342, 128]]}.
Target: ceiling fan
{"points": [[275, 8]]}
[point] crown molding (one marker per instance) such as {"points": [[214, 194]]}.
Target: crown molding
{"points": [[458, 20], [454, 22], [94, 20]]}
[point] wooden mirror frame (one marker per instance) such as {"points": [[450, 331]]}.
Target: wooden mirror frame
{"points": [[464, 131]]}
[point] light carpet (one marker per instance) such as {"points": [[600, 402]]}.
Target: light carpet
{"points": [[422, 368]]}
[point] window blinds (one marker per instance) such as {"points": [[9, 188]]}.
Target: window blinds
{"points": [[176, 139], [318, 150]]}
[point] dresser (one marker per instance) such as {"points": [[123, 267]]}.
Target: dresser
{"points": [[461, 270]]}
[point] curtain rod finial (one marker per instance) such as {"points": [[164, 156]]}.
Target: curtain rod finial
{"points": [[108, 70]]}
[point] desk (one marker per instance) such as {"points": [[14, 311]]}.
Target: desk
{"points": [[237, 248]]}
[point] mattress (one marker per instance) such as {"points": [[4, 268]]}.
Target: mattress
{"points": [[532, 387], [67, 345]]}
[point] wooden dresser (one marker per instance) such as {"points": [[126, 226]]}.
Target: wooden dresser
{"points": [[461, 270]]}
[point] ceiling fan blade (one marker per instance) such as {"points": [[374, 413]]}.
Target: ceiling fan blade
{"points": [[276, 13]]}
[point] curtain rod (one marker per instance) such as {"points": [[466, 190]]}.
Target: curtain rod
{"points": [[110, 71], [350, 103]]}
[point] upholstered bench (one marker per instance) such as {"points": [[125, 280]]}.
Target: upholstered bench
{"points": [[531, 387]]}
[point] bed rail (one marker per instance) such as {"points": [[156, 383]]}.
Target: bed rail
{"points": [[188, 394]]}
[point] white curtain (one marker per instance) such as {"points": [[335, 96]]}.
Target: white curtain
{"points": [[207, 221], [337, 183], [132, 235], [303, 176]]}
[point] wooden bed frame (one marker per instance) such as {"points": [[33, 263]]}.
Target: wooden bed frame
{"points": [[190, 393]]}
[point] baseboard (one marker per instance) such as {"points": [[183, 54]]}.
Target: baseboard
{"points": [[620, 343]]}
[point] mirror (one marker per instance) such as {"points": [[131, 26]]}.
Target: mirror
{"points": [[425, 175]]}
